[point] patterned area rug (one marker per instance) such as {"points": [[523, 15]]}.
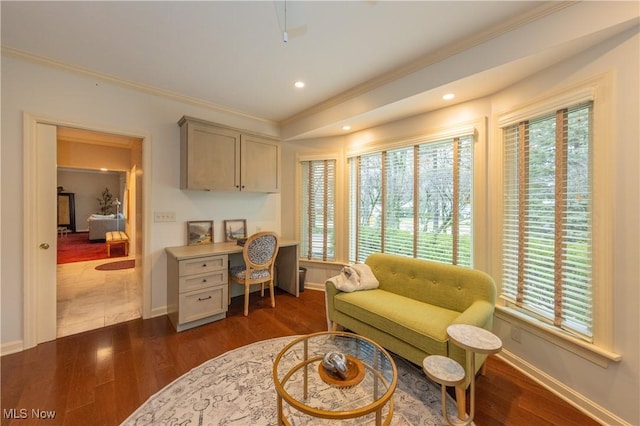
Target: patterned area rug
{"points": [[237, 388]]}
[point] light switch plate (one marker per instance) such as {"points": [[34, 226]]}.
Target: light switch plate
{"points": [[164, 216]]}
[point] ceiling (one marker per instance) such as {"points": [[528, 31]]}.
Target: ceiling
{"points": [[357, 58]]}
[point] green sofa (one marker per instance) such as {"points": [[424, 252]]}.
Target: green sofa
{"points": [[416, 301]]}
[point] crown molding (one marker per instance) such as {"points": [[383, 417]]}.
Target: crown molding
{"points": [[545, 9], [30, 57]]}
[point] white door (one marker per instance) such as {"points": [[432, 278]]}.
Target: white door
{"points": [[40, 231], [46, 232]]}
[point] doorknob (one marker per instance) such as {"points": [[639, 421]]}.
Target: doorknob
{"points": [[44, 246]]}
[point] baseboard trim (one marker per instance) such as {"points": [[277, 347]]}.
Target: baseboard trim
{"points": [[11, 347], [158, 312], [579, 401], [314, 286]]}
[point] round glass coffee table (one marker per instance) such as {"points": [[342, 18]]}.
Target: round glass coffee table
{"points": [[308, 393]]}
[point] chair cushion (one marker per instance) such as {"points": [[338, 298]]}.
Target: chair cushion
{"points": [[261, 249], [241, 272]]}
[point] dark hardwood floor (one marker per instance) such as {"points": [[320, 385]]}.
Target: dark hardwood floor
{"points": [[100, 377]]}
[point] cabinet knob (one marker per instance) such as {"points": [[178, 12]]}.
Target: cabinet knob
{"points": [[204, 280], [200, 299], [204, 265]]}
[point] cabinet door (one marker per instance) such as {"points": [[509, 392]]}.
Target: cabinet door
{"points": [[260, 167], [200, 304], [210, 158]]}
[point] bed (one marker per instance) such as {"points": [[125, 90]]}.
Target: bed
{"points": [[100, 224]]}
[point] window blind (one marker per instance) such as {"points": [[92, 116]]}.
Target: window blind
{"points": [[398, 202], [318, 207], [369, 219], [547, 217], [414, 201]]}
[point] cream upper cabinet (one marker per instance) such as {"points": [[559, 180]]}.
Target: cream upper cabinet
{"points": [[259, 165], [209, 157], [217, 158]]}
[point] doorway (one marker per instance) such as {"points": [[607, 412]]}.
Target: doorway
{"points": [[96, 287], [39, 279]]}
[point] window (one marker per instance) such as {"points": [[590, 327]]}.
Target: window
{"points": [[414, 201], [547, 231], [317, 210]]}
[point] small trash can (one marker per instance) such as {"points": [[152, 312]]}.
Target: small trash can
{"points": [[302, 273]]}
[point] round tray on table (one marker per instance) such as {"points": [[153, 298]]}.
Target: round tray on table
{"points": [[355, 374]]}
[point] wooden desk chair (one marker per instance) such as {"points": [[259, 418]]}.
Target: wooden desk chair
{"points": [[259, 253]]}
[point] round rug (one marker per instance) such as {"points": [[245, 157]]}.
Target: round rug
{"points": [[236, 388]]}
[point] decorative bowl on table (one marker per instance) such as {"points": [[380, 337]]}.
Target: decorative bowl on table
{"points": [[339, 370]]}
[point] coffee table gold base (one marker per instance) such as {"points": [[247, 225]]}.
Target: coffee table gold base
{"points": [[379, 369]]}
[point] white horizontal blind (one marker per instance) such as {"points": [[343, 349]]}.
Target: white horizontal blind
{"points": [[445, 201], [318, 209], [414, 201], [547, 217], [369, 220], [398, 202]]}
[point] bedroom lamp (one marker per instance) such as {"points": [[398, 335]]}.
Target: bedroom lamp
{"points": [[117, 214]]}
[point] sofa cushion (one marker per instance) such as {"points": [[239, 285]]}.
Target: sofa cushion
{"points": [[451, 287], [420, 324]]}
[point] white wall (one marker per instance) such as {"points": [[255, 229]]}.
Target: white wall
{"points": [[69, 97], [610, 394]]}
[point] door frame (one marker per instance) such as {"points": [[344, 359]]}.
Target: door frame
{"points": [[31, 318]]}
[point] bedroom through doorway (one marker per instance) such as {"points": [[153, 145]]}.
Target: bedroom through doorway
{"points": [[99, 191]]}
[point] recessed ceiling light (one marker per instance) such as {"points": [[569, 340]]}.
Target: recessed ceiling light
{"points": [[299, 84], [448, 96], [345, 128]]}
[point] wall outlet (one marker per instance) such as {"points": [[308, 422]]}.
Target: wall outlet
{"points": [[516, 334], [164, 216]]}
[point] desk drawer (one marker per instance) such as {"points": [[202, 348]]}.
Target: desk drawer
{"points": [[202, 303], [202, 265], [197, 282]]}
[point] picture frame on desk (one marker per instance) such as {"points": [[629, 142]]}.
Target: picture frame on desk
{"points": [[199, 232], [235, 229]]}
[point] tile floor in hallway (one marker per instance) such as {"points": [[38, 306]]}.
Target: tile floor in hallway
{"points": [[88, 299]]}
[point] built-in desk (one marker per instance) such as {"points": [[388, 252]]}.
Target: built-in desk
{"points": [[197, 279]]}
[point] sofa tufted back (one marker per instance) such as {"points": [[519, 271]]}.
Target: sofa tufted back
{"points": [[448, 286]]}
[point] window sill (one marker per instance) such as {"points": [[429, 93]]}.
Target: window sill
{"points": [[588, 351], [328, 263]]}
